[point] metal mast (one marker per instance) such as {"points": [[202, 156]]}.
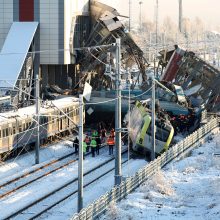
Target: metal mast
{"points": [[37, 144], [153, 129], [180, 15], [118, 114], [129, 21], [140, 3], [156, 25], [80, 164]]}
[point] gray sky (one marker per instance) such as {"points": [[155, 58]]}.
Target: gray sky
{"points": [[207, 10]]}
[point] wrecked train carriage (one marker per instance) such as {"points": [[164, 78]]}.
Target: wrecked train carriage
{"points": [[106, 27], [198, 78], [140, 130]]}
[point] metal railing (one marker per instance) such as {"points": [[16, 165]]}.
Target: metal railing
{"points": [[117, 193]]}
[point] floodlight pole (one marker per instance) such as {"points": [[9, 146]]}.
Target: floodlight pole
{"points": [[37, 143], [80, 161], [118, 114], [129, 21], [153, 116]]}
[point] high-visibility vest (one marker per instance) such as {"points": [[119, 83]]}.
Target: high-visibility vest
{"points": [[95, 134], [111, 141], [93, 143], [84, 147]]}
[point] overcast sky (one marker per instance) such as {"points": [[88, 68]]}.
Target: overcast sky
{"points": [[207, 10]]}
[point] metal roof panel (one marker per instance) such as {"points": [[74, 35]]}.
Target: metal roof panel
{"points": [[14, 51]]}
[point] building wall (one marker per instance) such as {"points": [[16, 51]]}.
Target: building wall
{"points": [[6, 19], [72, 10], [56, 20], [49, 31]]}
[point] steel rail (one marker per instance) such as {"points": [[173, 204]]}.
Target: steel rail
{"points": [[36, 202], [39, 169]]}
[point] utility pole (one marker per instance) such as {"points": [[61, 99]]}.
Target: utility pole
{"points": [[37, 94], [129, 21], [156, 21], [118, 114], [180, 15], [80, 161], [153, 115], [140, 3]]}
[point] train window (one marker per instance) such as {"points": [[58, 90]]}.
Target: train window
{"points": [[13, 130], [20, 128], [162, 134], [0, 133], [5, 132], [23, 127]]}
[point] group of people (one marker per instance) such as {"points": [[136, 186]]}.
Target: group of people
{"points": [[95, 140]]}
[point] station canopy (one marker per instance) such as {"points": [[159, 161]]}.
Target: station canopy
{"points": [[14, 52]]}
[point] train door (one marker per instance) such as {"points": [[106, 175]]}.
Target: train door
{"points": [[49, 123], [0, 139], [68, 120], [10, 136], [58, 122], [5, 144], [61, 122], [13, 131]]}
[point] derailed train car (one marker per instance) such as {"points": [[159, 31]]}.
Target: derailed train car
{"points": [[198, 78], [140, 131], [18, 128]]}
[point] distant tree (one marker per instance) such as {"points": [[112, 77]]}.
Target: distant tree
{"points": [[148, 26], [169, 28]]}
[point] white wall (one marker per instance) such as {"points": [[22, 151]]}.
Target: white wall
{"points": [[72, 9], [80, 7], [6, 19]]}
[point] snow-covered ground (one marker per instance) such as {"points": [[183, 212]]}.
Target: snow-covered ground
{"points": [[66, 209], [27, 161], [185, 189]]}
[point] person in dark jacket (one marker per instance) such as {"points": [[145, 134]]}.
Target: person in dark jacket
{"points": [[98, 144], [76, 144], [93, 145]]}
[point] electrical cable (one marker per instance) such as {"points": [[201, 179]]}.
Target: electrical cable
{"points": [[61, 50]]}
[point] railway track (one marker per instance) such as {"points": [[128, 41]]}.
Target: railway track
{"points": [[12, 185], [61, 193], [29, 177]]}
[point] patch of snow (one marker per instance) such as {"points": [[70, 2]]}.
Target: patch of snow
{"points": [[184, 189]]}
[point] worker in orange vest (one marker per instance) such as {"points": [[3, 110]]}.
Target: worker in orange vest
{"points": [[112, 132], [111, 143]]}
